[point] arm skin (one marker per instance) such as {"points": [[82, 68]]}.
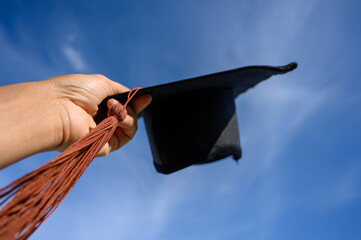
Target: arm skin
{"points": [[52, 114]]}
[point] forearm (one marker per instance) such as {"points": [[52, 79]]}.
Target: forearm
{"points": [[28, 125]]}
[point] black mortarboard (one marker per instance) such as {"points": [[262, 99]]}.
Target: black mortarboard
{"points": [[194, 121]]}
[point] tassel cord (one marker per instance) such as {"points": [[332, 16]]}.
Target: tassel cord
{"points": [[30, 200]]}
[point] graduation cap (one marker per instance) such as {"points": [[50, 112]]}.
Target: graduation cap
{"points": [[194, 121], [189, 122]]}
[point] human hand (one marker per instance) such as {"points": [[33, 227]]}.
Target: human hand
{"points": [[54, 113], [78, 98]]}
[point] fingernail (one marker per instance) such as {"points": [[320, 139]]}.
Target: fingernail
{"points": [[112, 101]]}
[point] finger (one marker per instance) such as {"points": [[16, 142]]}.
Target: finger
{"points": [[123, 134], [127, 129], [115, 87], [117, 140], [113, 141], [109, 87], [104, 151], [141, 102], [92, 123], [112, 102], [129, 126], [130, 122]]}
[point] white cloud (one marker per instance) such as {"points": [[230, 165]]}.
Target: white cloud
{"points": [[74, 57], [135, 203]]}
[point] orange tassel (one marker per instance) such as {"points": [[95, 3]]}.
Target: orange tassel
{"points": [[31, 199]]}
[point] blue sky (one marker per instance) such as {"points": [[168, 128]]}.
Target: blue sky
{"points": [[300, 175]]}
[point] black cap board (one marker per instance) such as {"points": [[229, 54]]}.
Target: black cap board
{"points": [[194, 121]]}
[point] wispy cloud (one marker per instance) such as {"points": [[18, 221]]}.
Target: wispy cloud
{"points": [[281, 111], [74, 57], [122, 197]]}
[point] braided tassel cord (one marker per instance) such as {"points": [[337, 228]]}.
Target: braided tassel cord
{"points": [[30, 200]]}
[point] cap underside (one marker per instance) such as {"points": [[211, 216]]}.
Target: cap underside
{"points": [[194, 121]]}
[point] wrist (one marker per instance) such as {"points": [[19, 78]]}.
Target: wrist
{"points": [[32, 122], [48, 123]]}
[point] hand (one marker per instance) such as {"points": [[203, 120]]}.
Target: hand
{"points": [[54, 113]]}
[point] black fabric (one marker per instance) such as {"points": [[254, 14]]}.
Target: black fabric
{"points": [[197, 127], [194, 121]]}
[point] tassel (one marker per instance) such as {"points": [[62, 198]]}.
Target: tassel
{"points": [[31, 199]]}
